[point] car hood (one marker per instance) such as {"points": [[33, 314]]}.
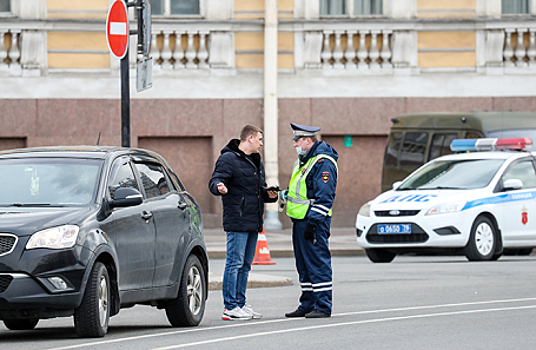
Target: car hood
{"points": [[26, 221], [413, 200]]}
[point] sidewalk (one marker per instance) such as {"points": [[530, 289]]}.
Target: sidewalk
{"points": [[341, 243]]}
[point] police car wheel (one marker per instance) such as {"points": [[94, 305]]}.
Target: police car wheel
{"points": [[481, 245], [380, 255]]}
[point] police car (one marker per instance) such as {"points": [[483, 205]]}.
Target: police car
{"points": [[478, 202]]}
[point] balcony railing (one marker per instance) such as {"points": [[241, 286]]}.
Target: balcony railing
{"points": [[10, 53], [339, 48]]}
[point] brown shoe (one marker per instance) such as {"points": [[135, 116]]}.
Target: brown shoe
{"points": [[317, 314]]}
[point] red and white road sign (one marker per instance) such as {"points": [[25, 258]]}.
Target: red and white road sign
{"points": [[117, 29]]}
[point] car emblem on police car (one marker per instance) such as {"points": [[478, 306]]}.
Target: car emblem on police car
{"points": [[394, 212], [524, 216]]}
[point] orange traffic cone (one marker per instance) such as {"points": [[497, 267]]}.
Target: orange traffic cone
{"points": [[262, 254]]}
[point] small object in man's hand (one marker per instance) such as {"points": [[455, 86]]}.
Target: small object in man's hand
{"points": [[272, 188], [309, 233]]}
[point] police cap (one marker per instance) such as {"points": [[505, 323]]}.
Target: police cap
{"points": [[302, 130]]}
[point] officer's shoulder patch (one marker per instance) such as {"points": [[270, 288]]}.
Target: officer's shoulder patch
{"points": [[325, 176], [321, 160]]}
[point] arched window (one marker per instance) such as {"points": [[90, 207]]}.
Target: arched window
{"points": [[175, 7], [5, 6], [351, 7], [515, 6]]}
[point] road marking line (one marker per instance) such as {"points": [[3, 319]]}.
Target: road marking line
{"points": [[256, 323], [332, 325]]}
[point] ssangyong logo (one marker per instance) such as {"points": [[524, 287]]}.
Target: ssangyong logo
{"points": [[394, 212]]}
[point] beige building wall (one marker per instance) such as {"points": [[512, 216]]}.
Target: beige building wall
{"points": [[446, 49], [446, 8]]}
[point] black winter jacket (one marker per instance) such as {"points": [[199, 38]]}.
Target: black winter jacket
{"points": [[243, 205]]}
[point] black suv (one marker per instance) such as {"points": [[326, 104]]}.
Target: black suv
{"points": [[85, 231]]}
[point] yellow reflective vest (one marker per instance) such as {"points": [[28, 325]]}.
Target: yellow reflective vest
{"points": [[297, 202]]}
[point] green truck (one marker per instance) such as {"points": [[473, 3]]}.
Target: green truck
{"points": [[415, 139]]}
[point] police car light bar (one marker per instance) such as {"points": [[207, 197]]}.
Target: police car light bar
{"points": [[462, 145]]}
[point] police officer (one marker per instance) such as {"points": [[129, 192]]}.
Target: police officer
{"points": [[309, 199]]}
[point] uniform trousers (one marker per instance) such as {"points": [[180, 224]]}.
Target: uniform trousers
{"points": [[313, 262]]}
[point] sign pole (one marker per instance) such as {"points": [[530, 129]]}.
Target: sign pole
{"points": [[117, 37], [125, 102]]}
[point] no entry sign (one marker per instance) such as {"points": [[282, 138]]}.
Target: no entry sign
{"points": [[117, 29]]}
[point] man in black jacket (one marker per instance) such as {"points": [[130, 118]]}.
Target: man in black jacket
{"points": [[239, 178]]}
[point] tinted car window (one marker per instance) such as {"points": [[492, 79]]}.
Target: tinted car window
{"points": [[123, 177], [441, 145], [52, 181], [153, 179], [413, 148], [523, 171], [391, 151]]}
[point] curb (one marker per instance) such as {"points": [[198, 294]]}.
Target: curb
{"points": [[221, 254], [254, 281]]}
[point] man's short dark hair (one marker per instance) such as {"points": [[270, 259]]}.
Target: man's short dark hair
{"points": [[249, 130]]}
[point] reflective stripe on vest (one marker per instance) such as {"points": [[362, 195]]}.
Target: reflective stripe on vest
{"points": [[297, 202]]}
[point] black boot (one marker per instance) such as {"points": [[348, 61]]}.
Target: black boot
{"points": [[317, 314], [296, 313]]}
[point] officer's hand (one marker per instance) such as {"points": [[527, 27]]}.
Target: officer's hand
{"points": [[309, 233]]}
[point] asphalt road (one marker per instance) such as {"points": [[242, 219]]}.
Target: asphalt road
{"points": [[412, 303]]}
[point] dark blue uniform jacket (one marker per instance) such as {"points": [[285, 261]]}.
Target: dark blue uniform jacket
{"points": [[321, 181]]}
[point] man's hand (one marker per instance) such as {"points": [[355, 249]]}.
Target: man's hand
{"points": [[221, 188], [272, 194]]}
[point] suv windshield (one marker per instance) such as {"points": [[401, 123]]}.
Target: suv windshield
{"points": [[48, 181], [453, 174]]}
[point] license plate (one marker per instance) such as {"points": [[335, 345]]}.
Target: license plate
{"points": [[394, 229]]}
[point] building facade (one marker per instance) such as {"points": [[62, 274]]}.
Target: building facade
{"points": [[348, 66]]}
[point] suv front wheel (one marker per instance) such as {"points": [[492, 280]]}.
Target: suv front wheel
{"points": [[92, 317], [189, 306]]}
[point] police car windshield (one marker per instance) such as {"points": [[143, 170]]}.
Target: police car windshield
{"points": [[453, 175]]}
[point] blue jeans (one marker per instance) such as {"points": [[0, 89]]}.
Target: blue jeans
{"points": [[240, 253]]}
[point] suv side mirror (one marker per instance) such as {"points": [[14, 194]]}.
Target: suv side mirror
{"points": [[126, 197], [512, 184]]}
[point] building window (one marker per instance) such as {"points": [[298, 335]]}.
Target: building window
{"points": [[5, 6], [515, 6], [352, 7], [175, 7]]}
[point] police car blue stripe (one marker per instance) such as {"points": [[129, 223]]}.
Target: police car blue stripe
{"points": [[503, 198]]}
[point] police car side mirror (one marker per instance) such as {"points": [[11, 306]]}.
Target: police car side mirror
{"points": [[397, 185], [512, 184]]}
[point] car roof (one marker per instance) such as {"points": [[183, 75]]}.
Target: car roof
{"points": [[487, 155], [94, 152], [478, 120]]}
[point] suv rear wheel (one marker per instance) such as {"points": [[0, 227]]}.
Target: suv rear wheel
{"points": [[189, 306], [92, 317]]}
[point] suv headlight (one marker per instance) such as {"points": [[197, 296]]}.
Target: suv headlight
{"points": [[59, 237], [445, 208], [365, 210]]}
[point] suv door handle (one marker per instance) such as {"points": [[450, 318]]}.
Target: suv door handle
{"points": [[146, 215], [182, 205]]}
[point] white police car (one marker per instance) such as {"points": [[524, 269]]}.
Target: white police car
{"points": [[479, 203]]}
